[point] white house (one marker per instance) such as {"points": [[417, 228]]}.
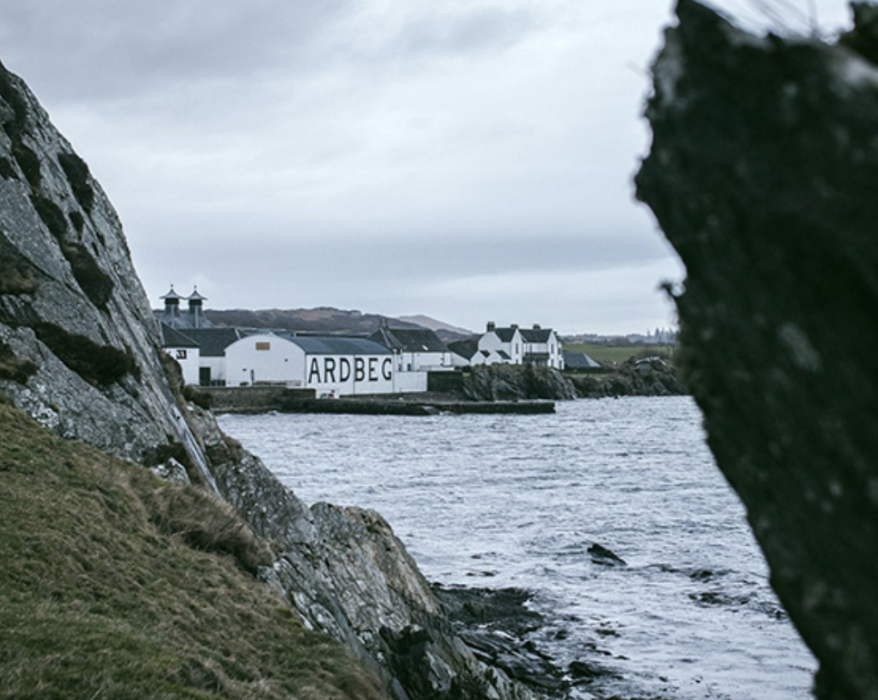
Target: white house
{"points": [[542, 347], [213, 343], [184, 350], [516, 346], [331, 365], [499, 346]]}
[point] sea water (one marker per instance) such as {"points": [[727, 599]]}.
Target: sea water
{"points": [[500, 500]]}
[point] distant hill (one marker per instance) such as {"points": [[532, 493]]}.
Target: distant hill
{"points": [[321, 320], [435, 325], [446, 331]]}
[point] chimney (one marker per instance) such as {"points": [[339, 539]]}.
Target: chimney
{"points": [[491, 327], [536, 326], [514, 326]]}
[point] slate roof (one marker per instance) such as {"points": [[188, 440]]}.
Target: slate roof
{"points": [[409, 339], [578, 360], [172, 338], [506, 334], [535, 335], [182, 320], [212, 341], [465, 348], [336, 345]]}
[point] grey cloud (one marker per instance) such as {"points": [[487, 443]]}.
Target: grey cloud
{"points": [[106, 49], [477, 29]]}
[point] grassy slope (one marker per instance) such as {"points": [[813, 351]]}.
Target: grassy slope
{"points": [[96, 601]]}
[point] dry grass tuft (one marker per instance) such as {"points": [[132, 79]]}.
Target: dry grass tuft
{"points": [[204, 522]]}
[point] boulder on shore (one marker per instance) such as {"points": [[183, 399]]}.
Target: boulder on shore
{"points": [[762, 174]]}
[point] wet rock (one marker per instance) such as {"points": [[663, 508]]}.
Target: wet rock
{"points": [[643, 376], [762, 174], [601, 555], [584, 672], [515, 382]]}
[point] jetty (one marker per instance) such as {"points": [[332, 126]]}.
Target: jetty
{"points": [[413, 408], [263, 399]]}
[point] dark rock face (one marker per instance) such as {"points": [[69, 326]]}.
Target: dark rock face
{"points": [[643, 376], [515, 382], [762, 174], [78, 342]]}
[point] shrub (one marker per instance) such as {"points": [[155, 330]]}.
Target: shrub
{"points": [[95, 283], [7, 172], [13, 98], [99, 365], [17, 275], [206, 523], [77, 220], [51, 215], [13, 367], [77, 174], [199, 398]]}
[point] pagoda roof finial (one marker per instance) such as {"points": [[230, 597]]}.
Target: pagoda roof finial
{"points": [[171, 295], [195, 296]]}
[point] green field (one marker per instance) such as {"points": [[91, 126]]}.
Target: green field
{"points": [[618, 353]]}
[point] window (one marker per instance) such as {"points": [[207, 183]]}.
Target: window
{"points": [[263, 345], [181, 355]]}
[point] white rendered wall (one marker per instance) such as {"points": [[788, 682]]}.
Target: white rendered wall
{"points": [[350, 375], [189, 361], [264, 359]]}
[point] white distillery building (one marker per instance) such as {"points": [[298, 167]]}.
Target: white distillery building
{"points": [[542, 347], [517, 346], [499, 346], [184, 350], [331, 365]]}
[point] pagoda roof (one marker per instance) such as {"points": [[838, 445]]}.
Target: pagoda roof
{"points": [[171, 295]]}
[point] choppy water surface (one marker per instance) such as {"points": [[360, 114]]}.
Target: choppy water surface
{"points": [[517, 500]]}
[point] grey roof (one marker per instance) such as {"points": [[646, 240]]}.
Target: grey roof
{"points": [[506, 334], [504, 354], [465, 348], [536, 335], [409, 339], [336, 345], [183, 320], [213, 341], [578, 360], [172, 338]]}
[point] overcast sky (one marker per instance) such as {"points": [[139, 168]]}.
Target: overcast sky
{"points": [[466, 159]]}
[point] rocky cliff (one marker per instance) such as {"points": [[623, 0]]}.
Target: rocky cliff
{"points": [[79, 352], [762, 174]]}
